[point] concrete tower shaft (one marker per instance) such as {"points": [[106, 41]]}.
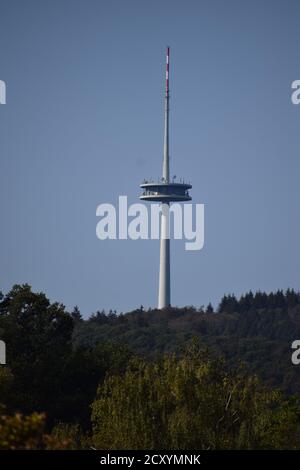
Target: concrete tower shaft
{"points": [[164, 290]]}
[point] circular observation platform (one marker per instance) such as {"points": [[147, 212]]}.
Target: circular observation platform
{"points": [[165, 192]]}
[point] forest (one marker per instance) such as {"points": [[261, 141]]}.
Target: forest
{"points": [[179, 378]]}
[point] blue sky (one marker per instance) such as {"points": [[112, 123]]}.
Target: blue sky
{"points": [[83, 124]]}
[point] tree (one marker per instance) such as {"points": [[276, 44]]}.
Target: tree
{"points": [[38, 337], [76, 315], [228, 304], [190, 403], [19, 432], [209, 308]]}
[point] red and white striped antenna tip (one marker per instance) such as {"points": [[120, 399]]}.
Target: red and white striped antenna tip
{"points": [[167, 69]]}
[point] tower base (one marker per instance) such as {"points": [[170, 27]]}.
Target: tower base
{"points": [[164, 294]]}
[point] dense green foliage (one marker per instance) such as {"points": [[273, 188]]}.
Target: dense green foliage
{"points": [[151, 391], [257, 329], [191, 403], [48, 373], [18, 432]]}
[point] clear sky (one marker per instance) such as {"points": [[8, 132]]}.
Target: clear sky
{"points": [[83, 124]]}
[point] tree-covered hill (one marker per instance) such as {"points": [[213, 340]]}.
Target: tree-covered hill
{"points": [[257, 329]]}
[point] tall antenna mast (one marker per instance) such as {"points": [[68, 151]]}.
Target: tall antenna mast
{"points": [[166, 169]]}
